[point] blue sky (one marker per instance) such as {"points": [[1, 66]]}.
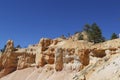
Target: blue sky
{"points": [[26, 21]]}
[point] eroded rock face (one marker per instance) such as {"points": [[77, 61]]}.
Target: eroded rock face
{"points": [[11, 60], [70, 51], [50, 55], [84, 56], [112, 50], [8, 59], [9, 63], [46, 57], [42, 60], [45, 54], [1, 67], [59, 59], [9, 46], [25, 60], [98, 53], [44, 43]]}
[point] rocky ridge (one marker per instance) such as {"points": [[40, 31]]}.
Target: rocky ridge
{"points": [[64, 57]]}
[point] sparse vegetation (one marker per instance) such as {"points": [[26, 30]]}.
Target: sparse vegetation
{"points": [[63, 37], [18, 46], [114, 36], [80, 36], [3, 49]]}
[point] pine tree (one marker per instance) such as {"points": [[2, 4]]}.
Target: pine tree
{"points": [[80, 36], [94, 33], [87, 27], [114, 36], [18, 46]]}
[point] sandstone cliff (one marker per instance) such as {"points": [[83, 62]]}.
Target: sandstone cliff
{"points": [[61, 59], [11, 59]]}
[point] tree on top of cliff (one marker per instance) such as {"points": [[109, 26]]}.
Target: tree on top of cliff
{"points": [[94, 33], [114, 36]]}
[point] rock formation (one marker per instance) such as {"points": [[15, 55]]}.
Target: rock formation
{"points": [[98, 52], [59, 59], [9, 46], [25, 60], [44, 43], [8, 59], [45, 54], [84, 56], [11, 60]]}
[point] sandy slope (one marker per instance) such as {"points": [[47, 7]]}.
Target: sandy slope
{"points": [[107, 68], [39, 74], [108, 71]]}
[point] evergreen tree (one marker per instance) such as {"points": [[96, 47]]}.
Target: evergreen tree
{"points": [[63, 37], [114, 36], [94, 33], [80, 36], [87, 27], [18, 46]]}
